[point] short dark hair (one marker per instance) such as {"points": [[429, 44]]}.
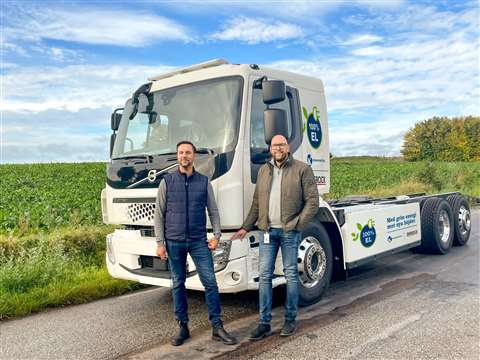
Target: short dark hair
{"points": [[186, 142]]}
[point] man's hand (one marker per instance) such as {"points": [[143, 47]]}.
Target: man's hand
{"points": [[240, 234], [212, 243], [161, 252]]}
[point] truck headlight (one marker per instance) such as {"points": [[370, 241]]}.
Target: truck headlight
{"points": [[221, 255], [110, 252]]}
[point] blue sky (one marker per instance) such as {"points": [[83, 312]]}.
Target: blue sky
{"points": [[385, 64]]}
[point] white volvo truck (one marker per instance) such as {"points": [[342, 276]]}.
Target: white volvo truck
{"points": [[230, 112]]}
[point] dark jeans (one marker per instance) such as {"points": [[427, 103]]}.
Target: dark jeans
{"points": [[202, 257], [288, 242]]}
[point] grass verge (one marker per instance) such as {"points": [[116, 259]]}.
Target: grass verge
{"points": [[65, 267]]}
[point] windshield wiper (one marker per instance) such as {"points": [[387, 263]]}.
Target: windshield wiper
{"points": [[167, 153], [205, 151], [144, 157], [199, 151]]}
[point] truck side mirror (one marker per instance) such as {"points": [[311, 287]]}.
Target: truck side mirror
{"points": [[115, 119], [112, 143], [275, 122], [273, 91]]}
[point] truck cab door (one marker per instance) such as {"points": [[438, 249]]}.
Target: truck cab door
{"points": [[257, 152]]}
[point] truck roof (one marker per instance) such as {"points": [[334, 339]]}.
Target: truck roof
{"points": [[221, 67]]}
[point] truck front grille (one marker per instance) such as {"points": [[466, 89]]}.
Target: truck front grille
{"points": [[140, 211]]}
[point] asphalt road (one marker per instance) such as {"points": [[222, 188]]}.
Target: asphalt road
{"points": [[402, 306]]}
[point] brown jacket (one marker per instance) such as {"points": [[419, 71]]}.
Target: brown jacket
{"points": [[299, 197]]}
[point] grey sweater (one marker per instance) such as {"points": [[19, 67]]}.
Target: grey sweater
{"points": [[161, 207]]}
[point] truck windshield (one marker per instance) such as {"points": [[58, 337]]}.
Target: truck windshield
{"points": [[206, 113]]}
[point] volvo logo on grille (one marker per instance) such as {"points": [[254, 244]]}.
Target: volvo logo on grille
{"points": [[152, 175]]}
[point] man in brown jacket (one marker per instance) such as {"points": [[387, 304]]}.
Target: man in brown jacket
{"points": [[284, 202]]}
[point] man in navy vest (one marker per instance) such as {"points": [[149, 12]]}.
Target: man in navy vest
{"points": [[180, 229]]}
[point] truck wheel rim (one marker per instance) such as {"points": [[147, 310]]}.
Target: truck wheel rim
{"points": [[464, 220], [311, 262], [444, 226]]}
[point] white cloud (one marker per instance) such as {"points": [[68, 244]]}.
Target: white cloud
{"points": [[93, 26], [7, 47], [415, 74], [306, 11], [383, 137], [51, 52], [56, 135], [8, 65], [58, 54], [375, 93], [73, 87], [363, 39], [68, 149], [253, 31], [367, 51], [419, 18], [424, 64]]}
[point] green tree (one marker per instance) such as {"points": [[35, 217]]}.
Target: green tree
{"points": [[443, 139]]}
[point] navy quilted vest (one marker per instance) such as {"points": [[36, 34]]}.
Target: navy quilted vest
{"points": [[186, 202]]}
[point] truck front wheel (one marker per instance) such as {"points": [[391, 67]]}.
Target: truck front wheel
{"points": [[315, 262]]}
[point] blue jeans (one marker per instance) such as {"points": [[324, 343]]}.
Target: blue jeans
{"points": [[288, 242], [202, 257]]}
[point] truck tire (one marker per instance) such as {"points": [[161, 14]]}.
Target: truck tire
{"points": [[315, 264], [437, 226], [461, 219]]}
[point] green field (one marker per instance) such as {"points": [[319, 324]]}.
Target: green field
{"points": [[386, 176], [52, 240], [45, 196]]}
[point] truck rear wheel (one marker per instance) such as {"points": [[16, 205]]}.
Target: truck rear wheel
{"points": [[437, 226], [315, 263], [461, 219]]}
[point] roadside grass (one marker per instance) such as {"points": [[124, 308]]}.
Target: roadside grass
{"points": [[52, 242], [405, 187], [64, 267]]}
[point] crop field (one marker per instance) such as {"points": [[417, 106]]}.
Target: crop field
{"points": [[45, 196], [52, 240], [386, 176]]}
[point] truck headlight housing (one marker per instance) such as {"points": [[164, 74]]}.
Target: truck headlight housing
{"points": [[110, 252], [221, 255]]}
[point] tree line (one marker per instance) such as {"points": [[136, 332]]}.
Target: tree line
{"points": [[443, 139]]}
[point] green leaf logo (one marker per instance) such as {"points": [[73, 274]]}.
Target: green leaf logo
{"points": [[371, 223], [369, 239], [305, 112], [316, 114]]}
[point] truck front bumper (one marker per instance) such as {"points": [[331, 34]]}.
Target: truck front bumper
{"points": [[125, 247]]}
